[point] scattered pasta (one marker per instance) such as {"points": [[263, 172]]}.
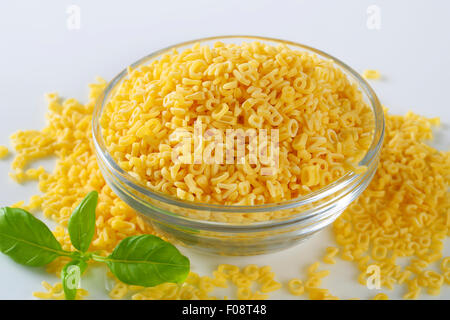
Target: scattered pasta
{"points": [[404, 212], [312, 284], [56, 292], [200, 288]]}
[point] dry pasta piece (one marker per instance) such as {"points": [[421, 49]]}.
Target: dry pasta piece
{"points": [[371, 74], [312, 269], [413, 294], [228, 270], [331, 252], [219, 280], [119, 291], [447, 277], [381, 296], [251, 271], [244, 293], [259, 296], [270, 286], [206, 284], [445, 264], [319, 294], [296, 287], [241, 280], [3, 152], [312, 283]]}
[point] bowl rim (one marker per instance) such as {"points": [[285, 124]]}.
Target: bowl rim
{"points": [[335, 186]]}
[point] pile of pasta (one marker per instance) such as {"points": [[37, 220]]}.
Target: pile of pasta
{"points": [[324, 126]]}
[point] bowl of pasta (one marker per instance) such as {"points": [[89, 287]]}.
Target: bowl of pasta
{"points": [[238, 145]]}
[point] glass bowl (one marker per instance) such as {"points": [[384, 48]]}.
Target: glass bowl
{"points": [[240, 230]]}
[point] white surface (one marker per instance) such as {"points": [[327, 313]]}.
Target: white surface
{"points": [[39, 54]]}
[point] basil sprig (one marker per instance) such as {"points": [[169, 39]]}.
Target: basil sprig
{"points": [[143, 260]]}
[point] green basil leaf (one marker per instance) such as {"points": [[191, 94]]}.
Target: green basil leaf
{"points": [[82, 222], [71, 276], [26, 239], [147, 260]]}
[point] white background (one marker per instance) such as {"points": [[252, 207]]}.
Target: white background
{"points": [[40, 54]]}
